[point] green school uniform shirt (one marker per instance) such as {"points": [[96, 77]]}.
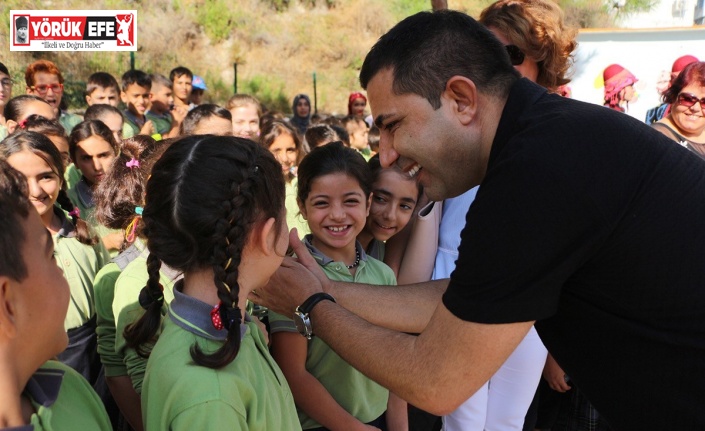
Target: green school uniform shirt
{"points": [[250, 393], [63, 400], [162, 122], [69, 121], [293, 218], [72, 176], [3, 132], [127, 310], [135, 124], [80, 264], [127, 131], [104, 291], [358, 395]]}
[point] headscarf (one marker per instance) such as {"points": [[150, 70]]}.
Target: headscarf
{"points": [[616, 79], [301, 123], [351, 99]]}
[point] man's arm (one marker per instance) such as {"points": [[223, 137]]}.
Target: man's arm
{"points": [[436, 371]]}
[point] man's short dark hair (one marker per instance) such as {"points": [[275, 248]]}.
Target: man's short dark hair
{"points": [[427, 49], [179, 71], [136, 77], [14, 208]]}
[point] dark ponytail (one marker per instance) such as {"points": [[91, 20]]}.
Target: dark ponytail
{"points": [[204, 198]]}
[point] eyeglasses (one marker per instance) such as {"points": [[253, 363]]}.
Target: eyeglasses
{"points": [[688, 100], [7, 82], [515, 54], [43, 88]]}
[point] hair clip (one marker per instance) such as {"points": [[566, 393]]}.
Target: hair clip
{"points": [[227, 264], [131, 230], [215, 317], [133, 163], [138, 210], [22, 124], [75, 212], [225, 317]]}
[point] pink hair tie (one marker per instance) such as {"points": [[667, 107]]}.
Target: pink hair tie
{"points": [[22, 124], [75, 212], [133, 163]]}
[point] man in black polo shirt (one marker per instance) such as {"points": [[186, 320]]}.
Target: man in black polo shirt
{"points": [[587, 222]]}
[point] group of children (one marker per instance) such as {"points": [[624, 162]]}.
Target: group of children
{"points": [[161, 224]]}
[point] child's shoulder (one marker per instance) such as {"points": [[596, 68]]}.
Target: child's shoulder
{"points": [[378, 272]]}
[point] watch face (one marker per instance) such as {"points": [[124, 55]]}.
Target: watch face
{"points": [[303, 324]]}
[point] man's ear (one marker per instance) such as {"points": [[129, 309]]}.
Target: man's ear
{"points": [[463, 94], [8, 328]]}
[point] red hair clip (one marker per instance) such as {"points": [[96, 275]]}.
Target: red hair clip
{"points": [[22, 124], [215, 317]]}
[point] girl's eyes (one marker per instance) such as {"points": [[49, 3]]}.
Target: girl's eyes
{"points": [[406, 207], [352, 201]]}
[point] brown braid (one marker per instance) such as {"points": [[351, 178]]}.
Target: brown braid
{"points": [[83, 232], [231, 235], [151, 299]]}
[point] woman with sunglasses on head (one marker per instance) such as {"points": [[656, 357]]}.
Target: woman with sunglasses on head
{"points": [[685, 123]]}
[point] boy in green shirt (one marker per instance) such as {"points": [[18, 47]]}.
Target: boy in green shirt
{"points": [[166, 117], [136, 86]]}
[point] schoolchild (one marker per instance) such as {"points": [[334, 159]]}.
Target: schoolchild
{"points": [[136, 86], [357, 130], [207, 119], [102, 89], [334, 197], [19, 108], [285, 145], [110, 116], [119, 201], [78, 253], [93, 149], [166, 117], [246, 111], [182, 85], [220, 222], [36, 393], [320, 134]]}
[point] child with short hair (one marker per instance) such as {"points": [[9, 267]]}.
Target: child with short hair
{"points": [[79, 253], [373, 140], [224, 228], [102, 89], [111, 117], [166, 117], [246, 111], [44, 79], [136, 86], [334, 197], [182, 84], [320, 134], [34, 296], [357, 130], [207, 119], [198, 88]]}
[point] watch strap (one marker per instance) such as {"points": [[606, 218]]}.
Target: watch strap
{"points": [[312, 300]]}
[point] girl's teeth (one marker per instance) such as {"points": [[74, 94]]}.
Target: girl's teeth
{"points": [[413, 170]]}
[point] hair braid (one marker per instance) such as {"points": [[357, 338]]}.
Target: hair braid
{"points": [[233, 228], [151, 299], [83, 232]]}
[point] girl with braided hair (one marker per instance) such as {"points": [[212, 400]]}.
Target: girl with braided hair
{"points": [[214, 211], [79, 253]]}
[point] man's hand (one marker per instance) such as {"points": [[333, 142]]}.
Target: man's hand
{"points": [[555, 376], [295, 280]]}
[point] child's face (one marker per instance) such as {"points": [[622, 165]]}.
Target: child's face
{"points": [[284, 150], [358, 132], [43, 182], [245, 122], [162, 98], [114, 122], [93, 157], [136, 98], [182, 87], [214, 126], [336, 210], [48, 87], [43, 296], [196, 96], [103, 96], [302, 108], [394, 198], [61, 144]]}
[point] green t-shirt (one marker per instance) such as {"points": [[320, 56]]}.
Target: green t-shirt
{"points": [[127, 130], [80, 264], [357, 394], [293, 218], [72, 176], [127, 310], [63, 400], [69, 121], [162, 122], [81, 195], [250, 393], [104, 291]]}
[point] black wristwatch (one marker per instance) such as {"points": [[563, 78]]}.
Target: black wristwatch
{"points": [[301, 319]]}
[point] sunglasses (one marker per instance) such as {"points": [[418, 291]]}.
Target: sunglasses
{"points": [[688, 100], [515, 54], [43, 88]]}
